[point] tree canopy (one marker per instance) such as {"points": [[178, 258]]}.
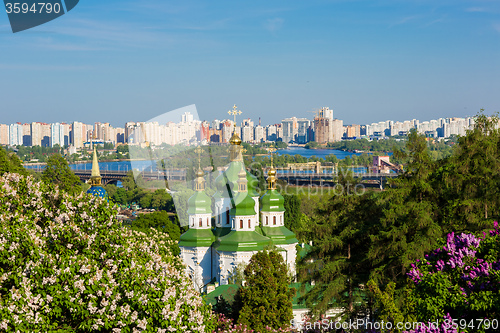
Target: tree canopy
{"points": [[58, 172], [9, 162], [67, 265], [266, 298]]}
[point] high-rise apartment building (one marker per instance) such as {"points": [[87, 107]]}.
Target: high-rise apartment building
{"points": [[187, 117], [302, 135], [204, 134], [327, 129], [215, 124], [271, 133], [36, 134], [259, 134], [290, 129], [4, 134], [352, 131], [78, 134], [247, 133], [247, 122], [16, 134], [56, 134], [227, 130]]}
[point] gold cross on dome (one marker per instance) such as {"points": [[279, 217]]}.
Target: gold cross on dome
{"points": [[199, 150], [234, 112]]}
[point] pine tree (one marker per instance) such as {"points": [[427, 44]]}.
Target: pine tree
{"points": [[337, 264], [409, 224], [266, 298], [469, 180]]}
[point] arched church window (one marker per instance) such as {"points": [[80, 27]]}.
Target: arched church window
{"points": [[274, 220], [249, 223], [281, 220], [201, 222], [208, 223], [241, 224], [227, 217], [192, 222]]}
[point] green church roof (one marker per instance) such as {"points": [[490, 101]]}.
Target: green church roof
{"points": [[221, 231], [279, 235], [230, 176], [221, 185], [199, 203], [197, 237], [243, 205], [242, 241], [252, 184], [273, 201], [228, 291]]}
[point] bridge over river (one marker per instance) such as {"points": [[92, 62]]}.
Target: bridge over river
{"points": [[292, 177], [109, 177], [330, 179]]}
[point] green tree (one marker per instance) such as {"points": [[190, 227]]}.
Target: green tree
{"points": [[58, 172], [470, 179], [162, 222], [409, 223], [88, 272], [9, 162], [337, 265], [266, 298], [292, 211], [312, 145]]}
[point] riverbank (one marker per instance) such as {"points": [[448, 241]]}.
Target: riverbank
{"points": [[90, 161]]}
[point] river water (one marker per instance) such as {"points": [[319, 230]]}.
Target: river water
{"points": [[142, 165], [320, 153]]}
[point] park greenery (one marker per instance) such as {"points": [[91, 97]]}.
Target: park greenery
{"points": [[67, 265], [364, 242], [424, 249], [266, 298]]}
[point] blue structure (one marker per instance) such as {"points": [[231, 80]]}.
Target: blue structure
{"points": [[96, 188]]}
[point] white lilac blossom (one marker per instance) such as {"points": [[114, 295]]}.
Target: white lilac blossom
{"points": [[67, 264]]}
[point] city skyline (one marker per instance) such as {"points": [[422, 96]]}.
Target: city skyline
{"points": [[324, 128], [121, 60]]}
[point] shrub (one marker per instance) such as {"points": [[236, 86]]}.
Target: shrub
{"points": [[461, 279], [66, 264]]}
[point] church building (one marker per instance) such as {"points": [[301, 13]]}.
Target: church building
{"points": [[244, 223], [96, 188]]}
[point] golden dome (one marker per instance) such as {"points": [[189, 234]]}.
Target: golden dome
{"points": [[235, 139], [200, 173]]}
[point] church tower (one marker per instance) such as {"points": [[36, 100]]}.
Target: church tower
{"points": [[245, 238], [273, 221], [96, 188], [195, 244]]}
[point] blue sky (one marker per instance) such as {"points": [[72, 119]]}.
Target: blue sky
{"points": [[116, 61]]}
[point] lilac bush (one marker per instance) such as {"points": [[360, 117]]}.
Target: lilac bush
{"points": [[67, 264], [460, 280]]}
